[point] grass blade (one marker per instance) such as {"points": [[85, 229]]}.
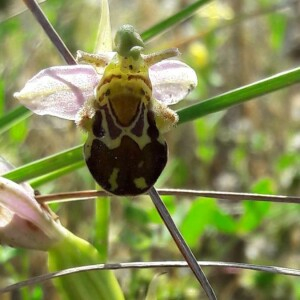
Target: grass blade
{"points": [[13, 117], [56, 174], [240, 95], [173, 20], [147, 265], [181, 244], [46, 165]]}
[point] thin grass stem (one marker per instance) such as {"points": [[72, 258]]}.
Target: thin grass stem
{"points": [[34, 7], [181, 244], [148, 265], [80, 195]]}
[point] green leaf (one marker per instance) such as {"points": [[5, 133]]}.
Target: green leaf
{"points": [[278, 24], [36, 293], [46, 165], [169, 201], [18, 132], [202, 214], [179, 173], [224, 222], [264, 186], [198, 217], [255, 212], [135, 214], [173, 20], [239, 95], [13, 117], [55, 174], [288, 160], [7, 254], [206, 153]]}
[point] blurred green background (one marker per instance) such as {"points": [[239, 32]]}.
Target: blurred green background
{"points": [[252, 147]]}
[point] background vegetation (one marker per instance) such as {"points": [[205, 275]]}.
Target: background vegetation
{"points": [[253, 147]]}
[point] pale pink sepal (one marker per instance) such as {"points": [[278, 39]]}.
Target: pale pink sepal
{"points": [[172, 80], [19, 233], [59, 91], [23, 221]]}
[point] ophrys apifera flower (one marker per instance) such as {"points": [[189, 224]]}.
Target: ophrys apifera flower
{"points": [[120, 99]]}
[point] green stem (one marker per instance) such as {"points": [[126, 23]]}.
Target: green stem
{"points": [[45, 165], [73, 251], [101, 233]]}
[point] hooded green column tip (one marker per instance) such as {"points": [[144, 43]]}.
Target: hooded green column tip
{"points": [[128, 42]]}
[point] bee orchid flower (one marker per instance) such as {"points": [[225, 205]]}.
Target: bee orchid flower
{"points": [[120, 99], [62, 91]]}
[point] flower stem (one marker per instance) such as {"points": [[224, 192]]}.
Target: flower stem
{"points": [[101, 226], [73, 251]]}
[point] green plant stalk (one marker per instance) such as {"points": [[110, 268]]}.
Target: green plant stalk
{"points": [[173, 20], [73, 251], [57, 173], [101, 226], [239, 95], [45, 165]]}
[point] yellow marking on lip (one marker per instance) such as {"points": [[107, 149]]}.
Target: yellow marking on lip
{"points": [[113, 179], [140, 183]]}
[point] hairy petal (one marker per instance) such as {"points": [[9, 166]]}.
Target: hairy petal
{"points": [[172, 80], [59, 91]]}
